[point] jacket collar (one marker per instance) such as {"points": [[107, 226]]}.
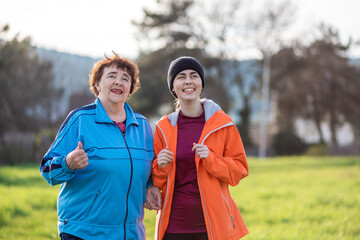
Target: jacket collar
{"points": [[210, 107], [103, 117]]}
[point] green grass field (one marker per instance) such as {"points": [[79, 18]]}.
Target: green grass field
{"points": [[283, 198]]}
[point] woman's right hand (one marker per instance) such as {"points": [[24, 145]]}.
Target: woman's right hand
{"points": [[77, 159], [165, 157]]}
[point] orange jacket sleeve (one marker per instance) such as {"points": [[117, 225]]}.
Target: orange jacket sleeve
{"points": [[226, 160], [159, 174]]}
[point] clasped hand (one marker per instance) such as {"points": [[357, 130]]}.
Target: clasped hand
{"points": [[165, 156]]}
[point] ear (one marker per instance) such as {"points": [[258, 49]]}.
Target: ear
{"points": [[97, 87]]}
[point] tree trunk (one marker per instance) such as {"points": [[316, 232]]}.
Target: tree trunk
{"points": [[265, 106], [333, 127]]}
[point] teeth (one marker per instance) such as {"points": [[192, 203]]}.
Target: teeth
{"points": [[189, 90]]}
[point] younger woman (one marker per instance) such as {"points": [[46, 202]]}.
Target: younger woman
{"points": [[199, 154]]}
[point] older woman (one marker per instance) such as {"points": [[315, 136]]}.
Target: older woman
{"points": [[102, 157]]}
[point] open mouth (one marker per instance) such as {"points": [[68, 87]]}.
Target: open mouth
{"points": [[117, 91], [189, 90]]}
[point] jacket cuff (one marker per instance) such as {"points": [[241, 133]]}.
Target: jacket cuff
{"points": [[65, 166]]}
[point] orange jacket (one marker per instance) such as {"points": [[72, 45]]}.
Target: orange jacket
{"points": [[226, 165]]}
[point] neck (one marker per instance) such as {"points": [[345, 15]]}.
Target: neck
{"points": [[191, 108], [116, 112]]}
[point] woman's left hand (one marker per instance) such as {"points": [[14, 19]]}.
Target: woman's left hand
{"points": [[201, 150]]}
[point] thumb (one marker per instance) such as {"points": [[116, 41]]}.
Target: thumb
{"points": [[80, 145]]}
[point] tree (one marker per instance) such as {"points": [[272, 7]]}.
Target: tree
{"points": [[209, 31], [163, 34], [177, 28], [268, 27], [25, 86], [154, 92], [322, 78]]}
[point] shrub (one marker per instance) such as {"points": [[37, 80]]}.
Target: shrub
{"points": [[287, 143], [318, 149], [16, 148]]}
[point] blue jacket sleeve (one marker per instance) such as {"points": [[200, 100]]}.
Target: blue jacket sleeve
{"points": [[53, 166]]}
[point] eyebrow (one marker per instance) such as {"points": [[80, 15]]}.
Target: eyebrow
{"points": [[191, 73], [111, 73], [126, 74]]}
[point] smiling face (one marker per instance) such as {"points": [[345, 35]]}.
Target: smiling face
{"points": [[187, 85], [114, 85]]}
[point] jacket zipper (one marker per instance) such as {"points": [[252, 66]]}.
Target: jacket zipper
{"points": [[201, 189], [166, 198], [92, 204], [167, 187], [128, 192]]}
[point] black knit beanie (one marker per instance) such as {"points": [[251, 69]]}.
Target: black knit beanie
{"points": [[181, 64]]}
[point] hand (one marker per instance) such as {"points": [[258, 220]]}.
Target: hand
{"points": [[77, 159], [201, 150], [153, 198], [165, 157]]}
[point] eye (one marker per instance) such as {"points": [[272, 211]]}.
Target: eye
{"points": [[112, 76], [195, 75]]}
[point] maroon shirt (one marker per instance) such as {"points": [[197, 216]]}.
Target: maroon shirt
{"points": [[121, 125], [186, 214]]}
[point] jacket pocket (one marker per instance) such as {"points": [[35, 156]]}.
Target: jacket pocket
{"points": [[230, 210], [92, 203]]}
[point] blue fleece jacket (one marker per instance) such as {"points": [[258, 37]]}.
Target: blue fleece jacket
{"points": [[105, 199]]}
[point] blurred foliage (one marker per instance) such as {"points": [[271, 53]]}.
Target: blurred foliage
{"points": [[317, 82], [319, 149], [287, 143], [43, 140], [26, 89], [12, 153], [173, 28]]}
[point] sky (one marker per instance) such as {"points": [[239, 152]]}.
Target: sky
{"points": [[93, 27]]}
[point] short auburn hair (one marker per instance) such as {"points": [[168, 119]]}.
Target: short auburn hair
{"points": [[120, 62]]}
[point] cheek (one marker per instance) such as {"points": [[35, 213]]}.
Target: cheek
{"points": [[176, 85]]}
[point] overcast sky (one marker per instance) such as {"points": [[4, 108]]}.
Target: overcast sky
{"points": [[92, 27]]}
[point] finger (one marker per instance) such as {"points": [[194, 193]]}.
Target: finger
{"points": [[166, 151], [82, 154], [84, 160], [83, 165], [157, 198], [168, 156], [195, 146], [163, 163], [80, 145], [167, 160]]}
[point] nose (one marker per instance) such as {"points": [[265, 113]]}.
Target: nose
{"points": [[118, 81], [187, 80]]}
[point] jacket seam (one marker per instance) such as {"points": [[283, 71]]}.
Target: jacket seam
{"points": [[221, 127]]}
